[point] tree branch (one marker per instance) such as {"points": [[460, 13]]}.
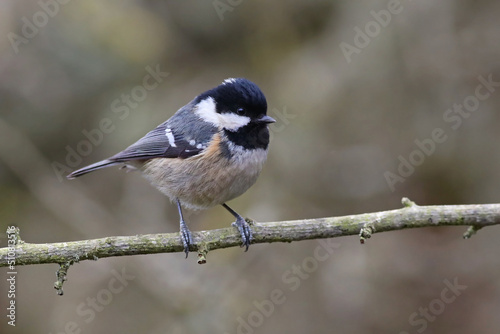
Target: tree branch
{"points": [[364, 225], [411, 215]]}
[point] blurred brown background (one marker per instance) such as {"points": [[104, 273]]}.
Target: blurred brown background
{"points": [[353, 86]]}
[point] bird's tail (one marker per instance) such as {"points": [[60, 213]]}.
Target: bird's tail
{"points": [[93, 167]]}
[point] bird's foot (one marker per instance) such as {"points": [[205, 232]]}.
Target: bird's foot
{"points": [[186, 237], [245, 231]]}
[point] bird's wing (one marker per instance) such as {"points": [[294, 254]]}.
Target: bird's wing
{"points": [[162, 142]]}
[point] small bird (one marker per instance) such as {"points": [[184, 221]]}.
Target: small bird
{"points": [[209, 152]]}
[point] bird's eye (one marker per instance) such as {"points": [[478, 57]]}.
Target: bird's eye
{"points": [[241, 111]]}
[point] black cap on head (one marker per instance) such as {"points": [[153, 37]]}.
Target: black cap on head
{"points": [[238, 95]]}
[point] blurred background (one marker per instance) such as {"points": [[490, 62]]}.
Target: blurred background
{"points": [[356, 88]]}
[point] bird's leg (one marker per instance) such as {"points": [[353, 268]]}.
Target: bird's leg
{"points": [[242, 225], [186, 237]]}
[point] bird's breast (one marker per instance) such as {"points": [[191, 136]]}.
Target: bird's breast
{"points": [[208, 179]]}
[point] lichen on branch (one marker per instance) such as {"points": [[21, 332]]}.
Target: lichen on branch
{"points": [[364, 225]]}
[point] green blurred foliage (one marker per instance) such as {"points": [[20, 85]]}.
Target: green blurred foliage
{"points": [[343, 123]]}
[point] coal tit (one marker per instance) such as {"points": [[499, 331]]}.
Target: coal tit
{"points": [[209, 152]]}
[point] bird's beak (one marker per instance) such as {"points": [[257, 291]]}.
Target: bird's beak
{"points": [[266, 119]]}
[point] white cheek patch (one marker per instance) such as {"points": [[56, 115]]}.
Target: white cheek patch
{"points": [[170, 137], [233, 122], [207, 111]]}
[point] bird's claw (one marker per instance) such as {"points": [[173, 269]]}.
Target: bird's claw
{"points": [[186, 237], [245, 231]]}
